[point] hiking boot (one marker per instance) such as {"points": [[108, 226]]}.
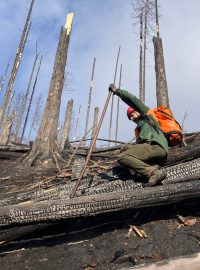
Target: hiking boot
{"points": [[156, 177]]}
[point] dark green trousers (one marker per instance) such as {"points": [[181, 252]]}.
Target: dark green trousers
{"points": [[142, 158]]}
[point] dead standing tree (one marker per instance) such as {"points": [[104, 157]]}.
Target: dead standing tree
{"points": [[66, 128], [31, 99], [45, 142], [77, 121], [4, 136], [143, 15], [24, 104], [161, 81], [90, 95], [3, 77], [16, 64], [36, 116]]}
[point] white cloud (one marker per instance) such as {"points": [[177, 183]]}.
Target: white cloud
{"points": [[99, 28]]}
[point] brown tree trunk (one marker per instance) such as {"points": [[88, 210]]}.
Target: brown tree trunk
{"points": [[161, 81], [66, 128], [45, 142]]}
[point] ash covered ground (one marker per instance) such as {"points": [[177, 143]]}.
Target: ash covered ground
{"points": [[101, 242]]}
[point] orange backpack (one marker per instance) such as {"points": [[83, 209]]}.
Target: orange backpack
{"points": [[168, 124]]}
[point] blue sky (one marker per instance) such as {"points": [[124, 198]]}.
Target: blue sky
{"points": [[99, 28]]}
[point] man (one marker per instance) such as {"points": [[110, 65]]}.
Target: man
{"points": [[151, 146]]}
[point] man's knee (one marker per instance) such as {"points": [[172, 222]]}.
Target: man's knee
{"points": [[121, 158]]}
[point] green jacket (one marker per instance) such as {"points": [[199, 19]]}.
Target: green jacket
{"points": [[146, 131]]}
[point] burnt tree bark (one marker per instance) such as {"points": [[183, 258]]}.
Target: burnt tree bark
{"points": [[45, 142], [161, 81]]}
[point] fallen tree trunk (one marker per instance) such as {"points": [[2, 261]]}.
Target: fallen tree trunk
{"points": [[52, 204]]}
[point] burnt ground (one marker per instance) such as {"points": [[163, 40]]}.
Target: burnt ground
{"points": [[98, 242], [101, 243]]}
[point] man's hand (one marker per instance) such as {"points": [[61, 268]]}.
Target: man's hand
{"points": [[112, 88]]}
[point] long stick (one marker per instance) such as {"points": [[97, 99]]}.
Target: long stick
{"points": [[111, 111], [92, 145]]}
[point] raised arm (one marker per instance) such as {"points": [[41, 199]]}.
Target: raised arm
{"points": [[130, 99]]}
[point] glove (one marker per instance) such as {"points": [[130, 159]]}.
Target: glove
{"points": [[112, 88]]}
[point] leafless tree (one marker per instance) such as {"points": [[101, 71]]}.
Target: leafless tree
{"points": [[31, 98], [16, 64], [15, 110], [24, 104], [46, 141], [161, 80], [143, 15], [66, 127], [77, 121], [3, 77], [90, 94]]}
